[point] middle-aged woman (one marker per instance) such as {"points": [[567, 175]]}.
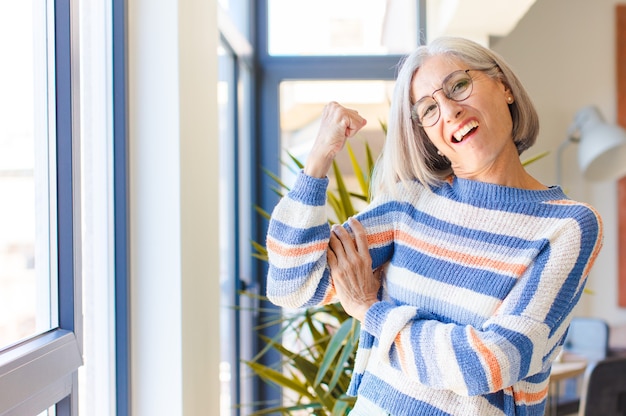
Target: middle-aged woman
{"points": [[464, 269]]}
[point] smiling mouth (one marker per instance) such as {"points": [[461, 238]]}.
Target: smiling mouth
{"points": [[460, 134]]}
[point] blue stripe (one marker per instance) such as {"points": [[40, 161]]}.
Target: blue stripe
{"points": [[395, 402], [288, 235], [469, 362], [524, 344], [481, 281], [284, 282]]}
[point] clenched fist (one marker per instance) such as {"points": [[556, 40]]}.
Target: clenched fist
{"points": [[337, 125]]}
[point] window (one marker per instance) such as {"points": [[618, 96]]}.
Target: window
{"points": [[318, 57], [349, 27], [40, 345], [235, 100], [27, 160]]}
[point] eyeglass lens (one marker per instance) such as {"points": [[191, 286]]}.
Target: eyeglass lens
{"points": [[457, 86]]}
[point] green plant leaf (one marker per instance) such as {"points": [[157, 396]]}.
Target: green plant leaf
{"points": [[383, 126], [263, 213], [308, 370], [348, 351], [278, 181], [344, 195], [287, 410], [337, 207], [358, 172], [334, 347], [342, 407], [279, 378], [295, 160], [535, 158]]}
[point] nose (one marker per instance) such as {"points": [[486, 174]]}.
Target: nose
{"points": [[450, 109]]}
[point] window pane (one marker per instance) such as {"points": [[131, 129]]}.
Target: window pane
{"points": [[26, 160], [347, 27], [301, 105], [239, 13], [226, 99]]}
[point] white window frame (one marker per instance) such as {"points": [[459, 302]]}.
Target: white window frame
{"points": [[41, 372]]}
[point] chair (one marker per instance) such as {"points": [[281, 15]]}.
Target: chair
{"points": [[588, 338], [604, 388]]}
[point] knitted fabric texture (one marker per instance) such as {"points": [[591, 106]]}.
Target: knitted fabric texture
{"points": [[479, 283]]}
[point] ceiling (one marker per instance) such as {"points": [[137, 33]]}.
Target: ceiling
{"points": [[480, 20]]}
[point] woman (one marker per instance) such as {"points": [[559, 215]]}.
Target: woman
{"points": [[481, 263]]}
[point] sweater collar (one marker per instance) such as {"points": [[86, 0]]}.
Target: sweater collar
{"points": [[469, 190]]}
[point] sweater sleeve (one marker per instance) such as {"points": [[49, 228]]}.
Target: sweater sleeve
{"points": [[520, 340], [297, 241]]}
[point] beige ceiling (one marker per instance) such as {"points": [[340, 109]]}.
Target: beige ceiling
{"points": [[476, 19]]}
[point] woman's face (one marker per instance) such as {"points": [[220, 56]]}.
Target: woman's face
{"points": [[475, 134]]}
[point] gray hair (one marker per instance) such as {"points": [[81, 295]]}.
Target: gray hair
{"points": [[408, 154]]}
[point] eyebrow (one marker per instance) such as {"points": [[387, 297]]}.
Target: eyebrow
{"points": [[440, 85]]}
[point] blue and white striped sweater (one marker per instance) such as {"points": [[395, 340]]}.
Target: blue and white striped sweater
{"points": [[479, 284]]}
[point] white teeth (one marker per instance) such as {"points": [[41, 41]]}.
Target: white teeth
{"points": [[458, 136]]}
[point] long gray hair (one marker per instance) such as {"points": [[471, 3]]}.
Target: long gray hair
{"points": [[408, 154]]}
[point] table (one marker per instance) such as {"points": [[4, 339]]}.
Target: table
{"points": [[566, 369], [569, 366]]}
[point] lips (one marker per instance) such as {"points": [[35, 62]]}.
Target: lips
{"points": [[460, 134]]}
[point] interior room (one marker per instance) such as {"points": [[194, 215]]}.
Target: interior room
{"points": [[187, 118]]}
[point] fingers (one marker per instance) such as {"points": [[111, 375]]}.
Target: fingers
{"points": [[360, 235], [355, 283], [359, 244], [338, 123], [348, 120]]}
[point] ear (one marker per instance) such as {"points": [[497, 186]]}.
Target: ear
{"points": [[508, 95]]}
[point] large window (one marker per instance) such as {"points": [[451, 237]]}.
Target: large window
{"points": [[311, 56], [348, 27], [40, 340], [27, 163], [235, 98]]}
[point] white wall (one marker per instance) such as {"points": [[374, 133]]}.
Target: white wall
{"points": [[564, 52], [173, 214]]}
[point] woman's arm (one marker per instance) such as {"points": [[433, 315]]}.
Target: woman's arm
{"points": [[298, 232], [519, 340], [298, 238]]}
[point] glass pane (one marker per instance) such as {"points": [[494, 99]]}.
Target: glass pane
{"points": [[301, 105], [226, 99], [50, 412], [26, 156], [346, 27], [239, 13]]}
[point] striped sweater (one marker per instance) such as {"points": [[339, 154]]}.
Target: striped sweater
{"points": [[479, 284]]}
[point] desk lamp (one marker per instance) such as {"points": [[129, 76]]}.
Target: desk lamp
{"points": [[602, 146]]}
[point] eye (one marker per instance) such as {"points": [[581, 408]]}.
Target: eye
{"points": [[459, 87], [426, 109]]}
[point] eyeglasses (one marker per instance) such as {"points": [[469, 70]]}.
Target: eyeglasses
{"points": [[457, 87]]}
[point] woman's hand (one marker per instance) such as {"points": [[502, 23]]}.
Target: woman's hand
{"points": [[337, 125], [351, 269]]}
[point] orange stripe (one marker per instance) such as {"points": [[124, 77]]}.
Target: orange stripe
{"points": [[330, 294], [596, 249], [381, 238], [280, 249], [462, 258], [490, 359], [401, 352], [529, 397]]}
